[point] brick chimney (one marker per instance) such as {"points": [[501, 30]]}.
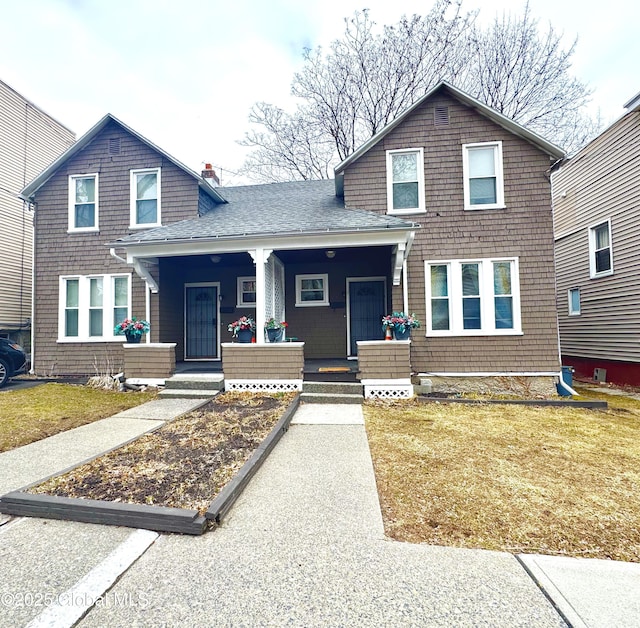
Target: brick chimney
{"points": [[210, 175]]}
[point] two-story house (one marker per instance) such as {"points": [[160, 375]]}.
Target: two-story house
{"points": [[29, 140], [445, 213], [596, 201]]}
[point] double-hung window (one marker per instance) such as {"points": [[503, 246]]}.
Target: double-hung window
{"points": [[472, 297], [83, 202], [145, 198], [600, 250], [483, 176], [91, 306], [312, 290], [405, 181], [246, 292]]}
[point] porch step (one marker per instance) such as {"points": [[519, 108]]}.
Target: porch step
{"points": [[328, 398], [331, 392], [186, 393], [340, 388], [199, 381]]}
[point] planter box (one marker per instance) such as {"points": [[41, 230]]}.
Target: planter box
{"points": [[270, 367], [149, 360]]}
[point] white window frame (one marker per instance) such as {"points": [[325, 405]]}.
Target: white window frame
{"points": [[240, 293], [108, 307], [487, 303], [133, 198], [421, 209], [72, 204], [572, 311], [592, 250], [499, 168], [325, 290]]}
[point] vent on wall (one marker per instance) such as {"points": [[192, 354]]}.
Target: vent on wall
{"points": [[441, 115], [600, 375], [114, 146]]}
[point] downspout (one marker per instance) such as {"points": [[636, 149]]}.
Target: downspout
{"points": [[33, 295], [566, 386], [114, 254]]}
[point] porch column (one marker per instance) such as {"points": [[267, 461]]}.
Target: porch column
{"points": [[260, 258]]}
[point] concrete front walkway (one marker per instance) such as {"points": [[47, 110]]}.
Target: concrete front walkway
{"points": [[303, 546]]}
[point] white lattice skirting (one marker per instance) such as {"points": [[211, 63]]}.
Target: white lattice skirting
{"points": [[387, 389], [263, 385]]}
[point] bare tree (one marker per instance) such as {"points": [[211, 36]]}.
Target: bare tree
{"points": [[369, 76], [525, 74]]}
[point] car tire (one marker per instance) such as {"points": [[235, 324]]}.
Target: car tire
{"points": [[4, 373]]}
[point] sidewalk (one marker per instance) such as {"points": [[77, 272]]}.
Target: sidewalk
{"points": [[304, 545]]}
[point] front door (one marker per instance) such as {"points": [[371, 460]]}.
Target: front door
{"points": [[201, 321], [365, 308]]}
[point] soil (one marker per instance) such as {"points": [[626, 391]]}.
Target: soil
{"points": [[185, 463]]}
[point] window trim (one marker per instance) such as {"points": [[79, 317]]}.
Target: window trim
{"points": [[570, 309], [487, 296], [108, 307], [133, 198], [240, 293], [499, 167], [325, 290], [593, 274], [421, 209], [72, 204]]}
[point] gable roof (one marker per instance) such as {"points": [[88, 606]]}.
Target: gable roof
{"points": [[292, 208], [466, 99], [28, 192]]}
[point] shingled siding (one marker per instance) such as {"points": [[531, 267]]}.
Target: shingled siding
{"points": [[282, 360], [523, 230], [60, 253]]}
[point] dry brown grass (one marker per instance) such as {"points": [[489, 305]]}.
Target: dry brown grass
{"points": [[35, 413], [185, 463], [512, 478]]}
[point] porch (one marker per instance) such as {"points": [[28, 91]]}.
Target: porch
{"points": [[382, 370]]}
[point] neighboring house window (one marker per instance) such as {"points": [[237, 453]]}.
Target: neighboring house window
{"points": [[600, 251], [574, 301], [312, 290], [145, 198], [83, 202], [473, 297], [91, 306], [246, 292], [483, 177], [405, 181]]}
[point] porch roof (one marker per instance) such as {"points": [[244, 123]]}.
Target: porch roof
{"points": [[279, 209]]}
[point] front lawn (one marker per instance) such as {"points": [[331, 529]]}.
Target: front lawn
{"points": [[511, 478], [34, 413]]}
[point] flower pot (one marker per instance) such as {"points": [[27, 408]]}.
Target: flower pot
{"points": [[245, 335], [402, 334], [274, 335], [133, 338]]}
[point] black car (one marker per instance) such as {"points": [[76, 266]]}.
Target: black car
{"points": [[13, 360]]}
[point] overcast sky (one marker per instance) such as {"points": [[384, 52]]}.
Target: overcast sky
{"points": [[184, 73]]}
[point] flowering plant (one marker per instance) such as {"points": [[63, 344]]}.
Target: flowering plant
{"points": [[400, 321], [272, 323], [244, 322], [131, 326]]}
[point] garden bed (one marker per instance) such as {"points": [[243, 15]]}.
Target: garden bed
{"points": [[167, 479]]}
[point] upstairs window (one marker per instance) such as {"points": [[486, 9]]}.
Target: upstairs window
{"points": [[83, 202], [600, 251], [145, 198], [405, 181], [483, 176]]}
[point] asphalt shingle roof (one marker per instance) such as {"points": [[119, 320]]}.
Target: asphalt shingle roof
{"points": [[278, 208]]}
